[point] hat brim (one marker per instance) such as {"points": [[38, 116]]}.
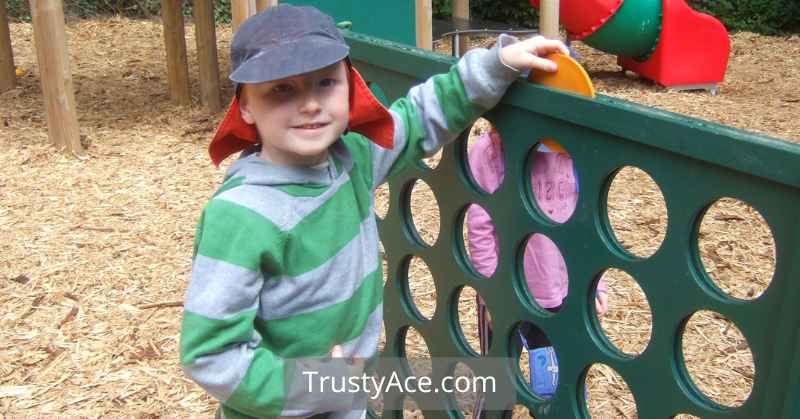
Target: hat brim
{"points": [[290, 59]]}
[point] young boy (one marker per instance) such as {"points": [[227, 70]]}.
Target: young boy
{"points": [[286, 262]]}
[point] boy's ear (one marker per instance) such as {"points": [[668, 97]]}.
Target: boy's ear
{"points": [[244, 108]]}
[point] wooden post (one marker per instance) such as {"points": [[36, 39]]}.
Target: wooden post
{"points": [[59, 94], [240, 11], [548, 19], [206, 37], [261, 5], [175, 42], [461, 11], [8, 77], [424, 19]]}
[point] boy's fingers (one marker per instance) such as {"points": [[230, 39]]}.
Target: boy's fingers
{"points": [[540, 44], [337, 352], [535, 39], [546, 46], [539, 63]]}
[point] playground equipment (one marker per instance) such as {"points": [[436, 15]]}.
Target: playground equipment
{"points": [[570, 77], [241, 10], [7, 70], [662, 40], [601, 135], [391, 20]]}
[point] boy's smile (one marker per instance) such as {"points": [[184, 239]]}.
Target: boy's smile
{"points": [[298, 117], [310, 129]]}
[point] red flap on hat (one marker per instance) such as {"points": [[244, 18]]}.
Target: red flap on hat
{"points": [[367, 117], [233, 135]]}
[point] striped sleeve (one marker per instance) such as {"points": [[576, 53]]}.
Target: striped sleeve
{"points": [[220, 348], [435, 112]]}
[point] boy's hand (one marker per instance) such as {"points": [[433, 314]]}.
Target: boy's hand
{"points": [[355, 365], [527, 54], [337, 352]]}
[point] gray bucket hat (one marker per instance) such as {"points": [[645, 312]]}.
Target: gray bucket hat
{"points": [[285, 41]]}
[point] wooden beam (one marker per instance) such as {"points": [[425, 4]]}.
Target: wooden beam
{"points": [[206, 37], [261, 5], [59, 94], [175, 42], [548, 19], [8, 77], [240, 11], [424, 24], [461, 11]]}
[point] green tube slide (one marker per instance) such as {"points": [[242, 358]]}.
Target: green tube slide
{"points": [[632, 31]]}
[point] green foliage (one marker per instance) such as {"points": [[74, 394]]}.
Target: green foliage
{"points": [[514, 12], [442, 9], [769, 17], [762, 16], [222, 11], [20, 9]]}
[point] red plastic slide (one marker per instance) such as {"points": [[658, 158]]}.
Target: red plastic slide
{"points": [[689, 49], [581, 18]]}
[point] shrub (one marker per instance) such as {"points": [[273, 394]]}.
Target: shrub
{"points": [[762, 16], [514, 12]]}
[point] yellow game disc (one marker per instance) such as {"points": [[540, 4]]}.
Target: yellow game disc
{"points": [[571, 77]]}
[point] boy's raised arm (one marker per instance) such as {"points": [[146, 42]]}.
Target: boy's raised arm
{"points": [[437, 111]]}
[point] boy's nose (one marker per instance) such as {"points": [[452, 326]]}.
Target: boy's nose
{"points": [[310, 103]]}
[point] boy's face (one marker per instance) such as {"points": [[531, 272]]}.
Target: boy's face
{"points": [[298, 117]]}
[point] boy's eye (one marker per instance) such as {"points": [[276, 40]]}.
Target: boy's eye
{"points": [[327, 82], [282, 89]]}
